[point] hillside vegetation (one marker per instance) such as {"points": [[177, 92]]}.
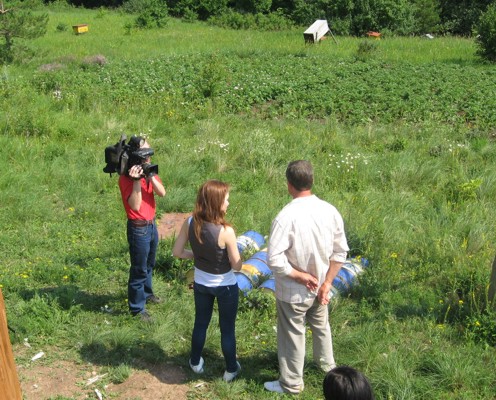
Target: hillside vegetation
{"points": [[401, 134]]}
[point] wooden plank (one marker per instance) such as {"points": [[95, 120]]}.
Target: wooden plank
{"points": [[492, 285], [9, 381]]}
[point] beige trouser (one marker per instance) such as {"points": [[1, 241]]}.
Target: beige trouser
{"points": [[291, 320]]}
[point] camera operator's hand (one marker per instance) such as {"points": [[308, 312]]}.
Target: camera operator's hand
{"points": [[136, 172]]}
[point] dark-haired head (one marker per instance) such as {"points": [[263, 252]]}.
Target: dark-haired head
{"points": [[346, 383], [300, 175]]}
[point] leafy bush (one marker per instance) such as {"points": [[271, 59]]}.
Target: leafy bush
{"points": [[481, 327], [340, 26], [211, 77], [257, 299], [208, 8], [305, 12], [366, 50], [153, 14], [267, 22], [487, 34], [254, 6], [179, 8], [427, 16], [132, 6], [189, 15], [200, 9], [460, 17], [61, 27]]}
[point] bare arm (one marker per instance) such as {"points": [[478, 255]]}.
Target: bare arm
{"points": [[158, 188], [179, 250], [323, 295], [232, 248], [134, 199]]}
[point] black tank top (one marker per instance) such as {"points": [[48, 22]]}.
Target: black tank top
{"points": [[209, 257]]}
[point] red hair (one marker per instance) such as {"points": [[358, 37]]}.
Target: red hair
{"points": [[208, 207]]}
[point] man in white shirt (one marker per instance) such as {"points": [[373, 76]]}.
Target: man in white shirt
{"points": [[307, 247]]}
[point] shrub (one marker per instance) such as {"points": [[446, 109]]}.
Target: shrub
{"points": [[461, 17], [257, 299], [254, 6], [189, 15], [180, 8], [481, 326], [197, 9], [61, 27], [366, 50], [153, 14], [274, 21], [210, 77], [208, 8], [486, 39], [340, 26], [427, 16], [266, 22]]}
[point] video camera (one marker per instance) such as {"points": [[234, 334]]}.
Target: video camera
{"points": [[121, 157]]}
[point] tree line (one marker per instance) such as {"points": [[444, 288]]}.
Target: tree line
{"points": [[346, 17]]}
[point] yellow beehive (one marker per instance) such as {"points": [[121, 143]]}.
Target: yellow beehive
{"points": [[78, 29]]}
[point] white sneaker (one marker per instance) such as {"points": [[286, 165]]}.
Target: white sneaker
{"points": [[197, 369], [273, 386], [229, 376]]}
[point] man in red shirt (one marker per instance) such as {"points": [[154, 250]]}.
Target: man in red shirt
{"points": [[138, 196]]}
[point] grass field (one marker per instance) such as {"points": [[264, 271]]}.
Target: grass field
{"points": [[401, 134]]}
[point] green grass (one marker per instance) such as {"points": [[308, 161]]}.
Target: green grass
{"points": [[402, 142], [107, 35]]}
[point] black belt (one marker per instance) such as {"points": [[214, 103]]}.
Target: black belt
{"points": [[141, 222]]}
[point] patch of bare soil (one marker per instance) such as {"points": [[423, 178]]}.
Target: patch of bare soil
{"points": [[170, 224], [71, 380]]}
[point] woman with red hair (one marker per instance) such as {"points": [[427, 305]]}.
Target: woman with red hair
{"points": [[215, 253]]}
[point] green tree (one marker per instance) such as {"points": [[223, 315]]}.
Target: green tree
{"points": [[427, 16], [204, 9], [486, 29], [254, 6], [18, 22], [460, 16], [209, 8]]}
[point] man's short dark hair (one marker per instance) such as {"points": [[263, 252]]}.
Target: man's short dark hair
{"points": [[300, 174]]}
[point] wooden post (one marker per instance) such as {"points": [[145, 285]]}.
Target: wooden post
{"points": [[492, 285], [9, 382]]}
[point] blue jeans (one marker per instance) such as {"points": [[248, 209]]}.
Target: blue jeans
{"points": [[227, 301], [143, 242]]}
